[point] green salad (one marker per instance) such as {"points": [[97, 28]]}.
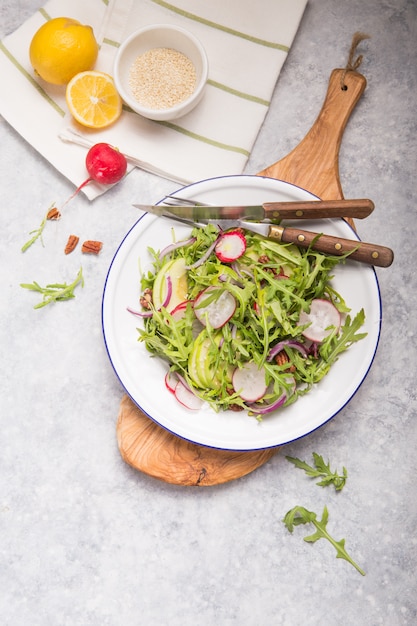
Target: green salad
{"points": [[242, 322]]}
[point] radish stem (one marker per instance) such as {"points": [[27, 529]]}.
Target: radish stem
{"points": [[77, 191]]}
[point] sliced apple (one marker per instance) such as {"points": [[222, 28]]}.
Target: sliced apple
{"points": [[176, 272], [201, 364]]}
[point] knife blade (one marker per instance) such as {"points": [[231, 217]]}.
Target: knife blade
{"points": [[370, 253], [274, 211]]}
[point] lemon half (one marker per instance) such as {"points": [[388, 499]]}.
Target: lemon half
{"points": [[93, 99]]}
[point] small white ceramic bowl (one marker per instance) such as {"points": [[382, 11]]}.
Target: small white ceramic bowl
{"points": [[160, 36]]}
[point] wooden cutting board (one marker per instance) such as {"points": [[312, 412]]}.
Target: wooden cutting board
{"points": [[313, 165]]}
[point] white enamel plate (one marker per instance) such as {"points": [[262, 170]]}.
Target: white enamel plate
{"points": [[142, 376]]}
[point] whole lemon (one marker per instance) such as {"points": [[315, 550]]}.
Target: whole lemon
{"points": [[61, 48]]}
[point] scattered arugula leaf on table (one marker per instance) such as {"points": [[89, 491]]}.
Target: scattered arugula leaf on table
{"points": [[321, 470], [37, 233], [299, 515], [55, 292]]}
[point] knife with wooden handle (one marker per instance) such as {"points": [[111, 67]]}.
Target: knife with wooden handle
{"points": [[327, 244], [273, 211]]}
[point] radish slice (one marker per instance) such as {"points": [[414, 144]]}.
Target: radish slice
{"points": [[214, 306], [171, 381], [230, 246], [179, 311], [323, 318], [249, 382], [187, 398]]}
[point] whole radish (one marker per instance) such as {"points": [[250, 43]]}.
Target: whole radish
{"points": [[105, 165]]}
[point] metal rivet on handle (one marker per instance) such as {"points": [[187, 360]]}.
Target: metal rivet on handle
{"points": [[375, 255], [301, 237], [299, 213], [338, 246]]}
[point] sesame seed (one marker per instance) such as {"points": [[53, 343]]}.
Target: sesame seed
{"points": [[161, 78]]}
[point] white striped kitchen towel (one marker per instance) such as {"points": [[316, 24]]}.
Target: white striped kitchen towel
{"points": [[246, 43]]}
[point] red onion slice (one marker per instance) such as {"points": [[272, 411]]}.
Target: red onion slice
{"points": [[140, 313], [204, 258], [174, 246], [169, 292], [291, 344], [263, 409]]}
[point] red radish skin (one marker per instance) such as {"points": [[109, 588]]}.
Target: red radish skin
{"points": [[217, 312], [249, 382], [230, 246], [105, 165], [179, 311], [322, 318], [182, 392], [187, 398], [171, 382]]}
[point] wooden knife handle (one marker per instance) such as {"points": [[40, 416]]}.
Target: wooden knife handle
{"points": [[364, 252], [318, 208]]}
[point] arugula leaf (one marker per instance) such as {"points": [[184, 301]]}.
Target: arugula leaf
{"points": [[321, 469], [37, 233], [55, 292], [335, 345], [299, 515]]}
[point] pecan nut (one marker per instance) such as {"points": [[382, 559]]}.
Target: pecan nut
{"points": [[91, 247], [282, 358], [53, 214], [233, 407], [263, 259], [146, 299], [71, 244]]}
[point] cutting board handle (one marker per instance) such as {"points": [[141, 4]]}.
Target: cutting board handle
{"points": [[314, 163]]}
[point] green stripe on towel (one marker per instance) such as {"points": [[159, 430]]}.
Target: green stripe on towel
{"points": [[239, 94], [211, 142], [225, 29], [196, 136]]}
